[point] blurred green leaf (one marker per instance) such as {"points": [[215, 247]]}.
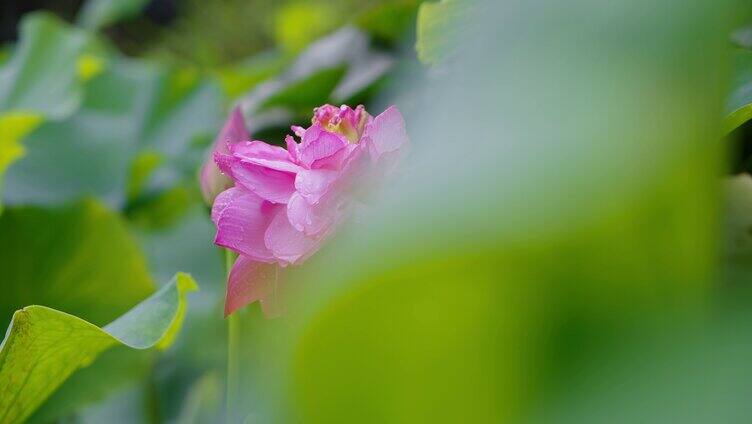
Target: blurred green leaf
{"points": [[437, 28], [739, 102], [332, 69], [42, 75], [207, 34], [302, 96], [212, 34], [44, 346], [297, 24], [66, 258], [203, 401], [187, 244], [182, 104], [163, 208], [390, 19], [40, 78], [742, 37], [96, 14], [241, 77], [14, 126], [112, 370], [689, 373], [400, 340], [5, 51], [142, 167], [132, 404], [89, 65], [737, 241], [480, 288], [129, 108]]}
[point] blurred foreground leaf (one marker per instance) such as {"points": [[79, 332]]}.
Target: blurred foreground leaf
{"points": [[484, 285], [44, 346]]}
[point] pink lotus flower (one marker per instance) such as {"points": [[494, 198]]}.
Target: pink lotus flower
{"points": [[286, 202]]}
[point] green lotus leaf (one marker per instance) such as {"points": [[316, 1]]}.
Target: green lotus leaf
{"points": [[82, 263], [44, 346]]}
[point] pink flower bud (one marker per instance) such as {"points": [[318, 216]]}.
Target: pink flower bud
{"points": [[213, 181]]}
